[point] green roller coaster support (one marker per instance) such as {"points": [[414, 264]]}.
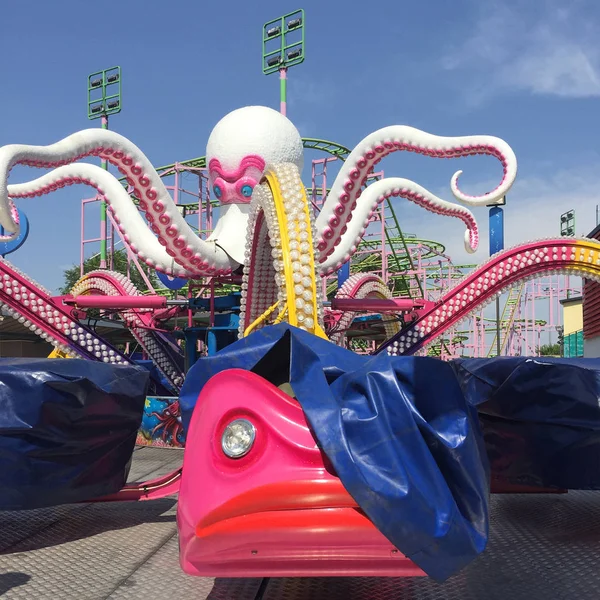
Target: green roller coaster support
{"points": [[398, 234], [435, 349], [507, 319]]}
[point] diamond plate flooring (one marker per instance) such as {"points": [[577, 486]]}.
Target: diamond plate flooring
{"points": [[540, 548], [105, 551]]}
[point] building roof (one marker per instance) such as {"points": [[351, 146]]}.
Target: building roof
{"points": [[595, 233], [572, 300]]}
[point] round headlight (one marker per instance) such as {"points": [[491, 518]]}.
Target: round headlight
{"points": [[238, 438]]}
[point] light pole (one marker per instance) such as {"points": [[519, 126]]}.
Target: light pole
{"points": [[496, 223], [282, 48], [567, 229], [103, 99]]}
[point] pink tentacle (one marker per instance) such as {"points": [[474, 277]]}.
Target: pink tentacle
{"points": [[139, 176], [356, 174]]}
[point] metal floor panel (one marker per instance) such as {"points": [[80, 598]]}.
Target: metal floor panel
{"points": [[161, 572], [102, 551], [541, 548], [151, 462]]}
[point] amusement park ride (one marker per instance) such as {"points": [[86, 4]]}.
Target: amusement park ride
{"points": [[255, 260]]}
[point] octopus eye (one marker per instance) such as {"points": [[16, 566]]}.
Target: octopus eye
{"points": [[218, 191], [247, 191]]}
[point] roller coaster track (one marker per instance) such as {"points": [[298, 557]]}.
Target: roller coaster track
{"points": [[360, 286], [507, 320], [164, 354], [34, 307], [577, 257]]}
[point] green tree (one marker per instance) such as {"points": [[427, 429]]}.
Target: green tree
{"points": [[549, 350], [72, 274]]}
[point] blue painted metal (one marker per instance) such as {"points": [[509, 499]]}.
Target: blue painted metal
{"points": [[221, 303], [12, 245], [343, 274], [171, 283], [366, 318], [191, 337], [217, 337], [211, 342], [497, 245], [496, 229]]}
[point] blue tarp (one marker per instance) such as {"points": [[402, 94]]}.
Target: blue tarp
{"points": [[67, 429], [159, 384], [540, 418], [398, 431]]}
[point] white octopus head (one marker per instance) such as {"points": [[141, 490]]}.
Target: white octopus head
{"points": [[242, 145]]}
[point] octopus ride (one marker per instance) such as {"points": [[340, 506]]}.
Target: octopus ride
{"points": [[302, 458]]}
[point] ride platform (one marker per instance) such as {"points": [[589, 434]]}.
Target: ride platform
{"points": [[541, 547]]}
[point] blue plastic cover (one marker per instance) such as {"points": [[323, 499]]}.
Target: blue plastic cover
{"points": [[159, 385], [67, 429], [540, 417], [398, 431]]}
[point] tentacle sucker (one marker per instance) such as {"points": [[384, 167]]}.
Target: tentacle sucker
{"points": [[337, 211], [376, 193], [134, 230], [180, 241]]}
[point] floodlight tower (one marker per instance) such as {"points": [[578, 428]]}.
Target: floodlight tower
{"points": [[567, 229], [567, 224], [282, 48], [103, 99]]}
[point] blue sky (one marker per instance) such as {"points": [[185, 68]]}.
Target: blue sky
{"points": [[526, 71]]}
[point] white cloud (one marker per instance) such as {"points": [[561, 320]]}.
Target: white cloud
{"points": [[311, 91], [552, 50], [534, 206]]}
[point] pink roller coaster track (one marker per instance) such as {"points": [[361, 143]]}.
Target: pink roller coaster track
{"points": [[139, 319], [46, 316], [579, 257]]}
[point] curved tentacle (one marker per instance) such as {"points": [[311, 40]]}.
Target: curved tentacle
{"points": [[362, 286], [336, 213], [129, 220], [569, 256], [14, 213], [376, 193], [174, 233]]}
